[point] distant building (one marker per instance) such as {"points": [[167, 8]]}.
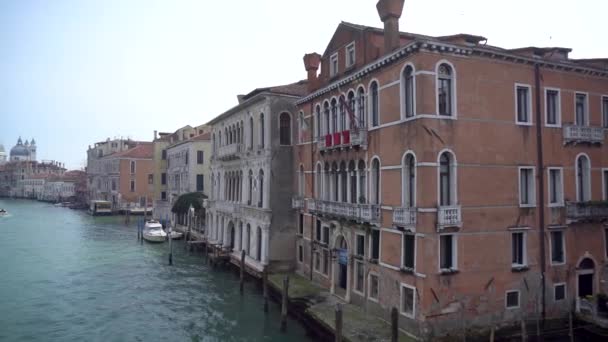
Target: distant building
{"points": [[2, 155], [67, 187], [21, 178], [22, 151]]}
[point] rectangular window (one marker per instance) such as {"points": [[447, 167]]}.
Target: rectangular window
{"points": [[552, 107], [164, 154], [317, 261], [350, 54], [527, 197], [318, 235], [163, 196], [605, 111], [132, 185], [447, 252], [360, 250], [606, 242], [359, 276], [132, 167], [557, 247], [375, 237], [326, 235], [150, 179], [200, 182], [523, 104], [374, 287], [409, 250], [199, 157], [407, 300], [113, 184], [301, 224], [605, 181], [186, 157], [163, 179], [559, 292], [556, 187], [512, 299], [300, 253], [581, 109], [518, 249], [325, 262], [333, 64]]}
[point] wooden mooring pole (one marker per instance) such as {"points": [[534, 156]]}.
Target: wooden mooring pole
{"points": [[284, 304], [524, 336], [265, 289], [570, 326], [242, 279], [170, 247], [338, 333], [394, 325]]}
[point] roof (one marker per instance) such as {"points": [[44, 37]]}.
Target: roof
{"points": [[294, 89], [144, 150], [202, 137]]}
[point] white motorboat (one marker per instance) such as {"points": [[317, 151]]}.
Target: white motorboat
{"points": [[153, 232], [176, 235], [3, 212]]}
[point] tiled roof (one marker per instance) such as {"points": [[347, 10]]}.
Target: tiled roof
{"points": [[294, 89], [202, 137], [144, 150]]}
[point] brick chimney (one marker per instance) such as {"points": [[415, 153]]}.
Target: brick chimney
{"points": [[311, 64], [390, 12]]}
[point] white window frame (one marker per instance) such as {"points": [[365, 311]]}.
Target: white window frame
{"points": [[454, 99], [604, 192], [551, 247], [346, 54], [298, 251], [133, 166], [370, 245], [454, 254], [558, 108], [333, 67], [560, 203], [401, 311], [403, 95], [361, 293], [565, 291], [588, 183], [524, 248], [586, 113], [355, 250], [531, 188], [134, 185], [403, 250], [530, 121], [369, 286], [518, 299]]}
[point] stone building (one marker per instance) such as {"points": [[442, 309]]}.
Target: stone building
{"points": [[456, 181], [2, 155], [23, 151], [249, 207], [17, 178]]}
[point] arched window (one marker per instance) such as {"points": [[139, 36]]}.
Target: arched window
{"points": [[241, 139], [317, 122], [250, 192], [251, 132], [445, 90], [301, 127], [408, 91], [583, 179], [342, 124], [343, 183], [214, 144], [362, 182], [327, 120], [247, 243], [261, 189], [361, 107], [351, 107], [409, 181], [447, 180], [318, 182], [262, 137], [334, 116], [336, 181], [373, 93], [301, 181], [259, 246], [352, 174], [326, 183], [375, 174], [284, 129]]}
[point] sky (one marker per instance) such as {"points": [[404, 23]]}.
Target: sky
{"points": [[74, 72]]}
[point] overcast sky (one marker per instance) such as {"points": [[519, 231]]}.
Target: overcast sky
{"points": [[76, 72]]}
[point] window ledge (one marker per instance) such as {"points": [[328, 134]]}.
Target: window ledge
{"points": [[373, 261], [407, 270], [519, 268], [448, 271], [527, 206], [358, 257]]}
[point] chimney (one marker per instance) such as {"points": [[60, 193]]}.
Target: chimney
{"points": [[240, 98], [390, 12], [155, 132], [311, 64]]}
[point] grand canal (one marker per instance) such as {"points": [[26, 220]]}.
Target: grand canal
{"points": [[67, 276]]}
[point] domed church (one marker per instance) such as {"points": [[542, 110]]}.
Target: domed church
{"points": [[23, 152]]}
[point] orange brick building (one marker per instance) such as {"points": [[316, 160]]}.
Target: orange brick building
{"points": [[462, 183]]}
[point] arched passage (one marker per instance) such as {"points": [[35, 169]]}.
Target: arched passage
{"points": [[585, 277]]}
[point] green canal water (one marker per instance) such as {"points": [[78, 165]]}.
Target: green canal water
{"points": [[67, 276]]}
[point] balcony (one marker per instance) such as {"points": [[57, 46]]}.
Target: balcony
{"points": [[229, 152], [587, 211], [228, 207], [344, 139], [350, 211], [449, 216], [583, 134], [405, 217], [297, 203]]}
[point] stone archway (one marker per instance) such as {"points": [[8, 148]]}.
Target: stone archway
{"points": [[340, 269], [585, 274]]}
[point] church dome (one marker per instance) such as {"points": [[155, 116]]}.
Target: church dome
{"points": [[19, 150]]}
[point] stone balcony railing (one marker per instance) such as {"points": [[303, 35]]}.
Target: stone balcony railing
{"points": [[587, 211], [229, 151], [297, 203], [449, 216], [405, 217], [228, 207], [347, 138], [583, 134], [350, 211]]}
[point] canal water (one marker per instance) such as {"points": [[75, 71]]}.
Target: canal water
{"points": [[67, 276]]}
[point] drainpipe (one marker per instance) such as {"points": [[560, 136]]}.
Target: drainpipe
{"points": [[541, 193]]}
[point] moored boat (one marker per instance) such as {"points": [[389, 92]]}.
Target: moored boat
{"points": [[3, 212], [153, 232]]}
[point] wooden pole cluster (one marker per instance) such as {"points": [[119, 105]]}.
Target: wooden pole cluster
{"points": [[394, 325], [242, 280], [170, 246]]}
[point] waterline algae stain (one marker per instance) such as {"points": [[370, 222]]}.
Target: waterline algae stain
{"points": [[67, 276]]}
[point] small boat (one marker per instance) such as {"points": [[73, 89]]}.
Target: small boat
{"points": [[3, 212], [100, 208], [175, 235], [153, 232]]}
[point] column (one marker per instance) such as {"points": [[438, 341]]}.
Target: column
{"points": [[339, 193], [265, 243], [348, 186], [358, 180]]}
